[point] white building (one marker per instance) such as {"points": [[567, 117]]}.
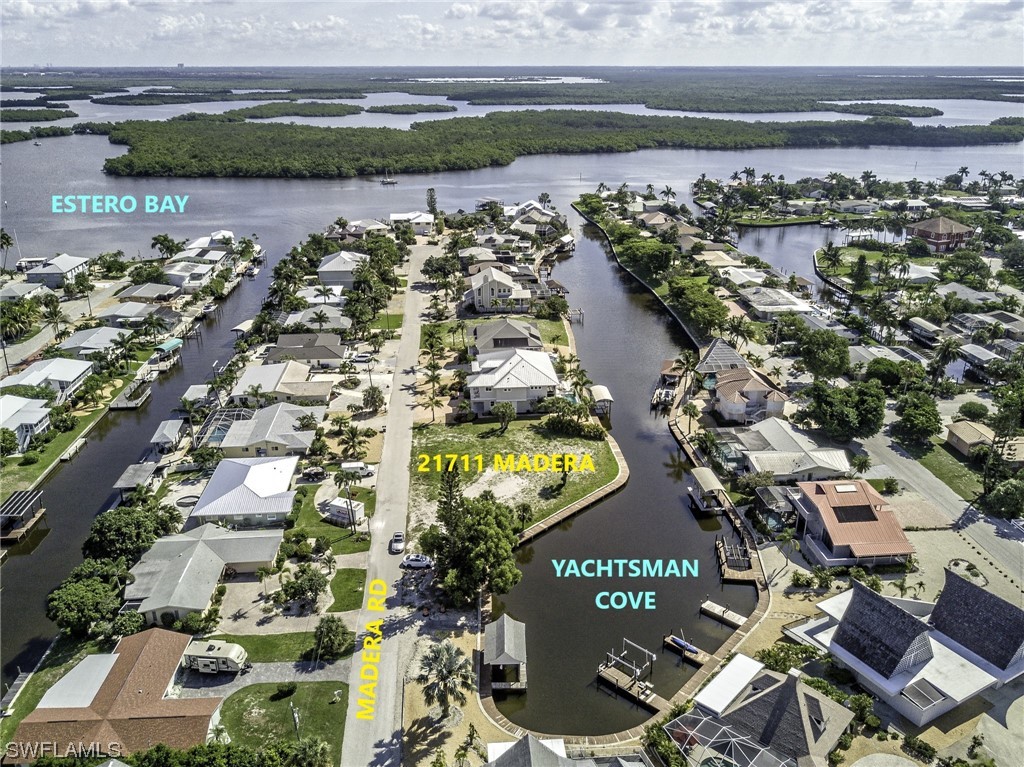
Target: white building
{"points": [[492, 290], [57, 270], [272, 431], [85, 342], [421, 223], [24, 417], [189, 276], [281, 382], [339, 268], [64, 376], [519, 376], [248, 492], [16, 291], [769, 303]]}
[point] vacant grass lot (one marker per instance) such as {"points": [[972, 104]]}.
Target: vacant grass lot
{"points": [[543, 491], [954, 471], [347, 589], [551, 331], [257, 716], [343, 540]]}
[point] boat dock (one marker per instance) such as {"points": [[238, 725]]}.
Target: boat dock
{"points": [[679, 645], [127, 399], [734, 563], [722, 614], [77, 445], [517, 686], [19, 514], [631, 687], [13, 691]]}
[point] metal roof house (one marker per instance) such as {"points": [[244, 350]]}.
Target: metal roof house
{"points": [[250, 492], [920, 658], [272, 431], [519, 376], [57, 270], [24, 417], [777, 446], [339, 269], [281, 382], [85, 342], [64, 376], [531, 751], [315, 349]]}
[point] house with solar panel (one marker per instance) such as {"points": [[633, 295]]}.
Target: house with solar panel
{"points": [[920, 658]]}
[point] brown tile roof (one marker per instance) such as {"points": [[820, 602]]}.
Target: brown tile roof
{"points": [[855, 515], [129, 712], [940, 225], [730, 382]]}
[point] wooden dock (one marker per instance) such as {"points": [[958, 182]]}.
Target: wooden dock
{"points": [[636, 689], [731, 574], [697, 660], [14, 535], [72, 451], [519, 686], [722, 614]]}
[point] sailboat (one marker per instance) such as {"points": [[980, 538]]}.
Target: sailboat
{"points": [[387, 180]]}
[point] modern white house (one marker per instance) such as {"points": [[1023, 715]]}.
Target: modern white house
{"points": [[769, 303], [189, 276], [318, 317], [339, 268], [133, 314], [149, 293], [219, 259], [922, 659], [740, 277], [520, 376], [64, 376], [335, 299], [24, 417], [17, 291], [85, 342], [248, 492], [281, 382], [58, 270], [421, 223], [493, 290], [272, 431], [222, 239]]}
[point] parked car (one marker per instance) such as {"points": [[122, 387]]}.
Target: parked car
{"points": [[417, 562], [397, 543], [362, 357]]}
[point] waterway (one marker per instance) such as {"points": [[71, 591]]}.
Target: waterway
{"points": [[622, 343]]}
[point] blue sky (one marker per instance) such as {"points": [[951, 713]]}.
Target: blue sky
{"points": [[519, 32]]}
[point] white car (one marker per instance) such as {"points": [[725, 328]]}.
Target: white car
{"points": [[397, 543], [362, 357], [417, 562]]}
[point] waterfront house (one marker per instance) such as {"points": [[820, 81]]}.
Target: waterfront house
{"points": [[912, 205], [820, 322], [921, 275], [321, 350], [977, 359], [24, 417], [85, 342], [339, 268], [493, 290], [272, 431], [280, 382], [745, 396], [332, 316], [530, 751], [656, 221], [922, 659], [219, 259], [133, 314], [1012, 325], [149, 293], [520, 376], [942, 234], [422, 223], [750, 716], [769, 303], [64, 376], [777, 446], [120, 702], [970, 295], [1006, 347], [506, 334], [862, 356], [222, 239], [189, 276], [964, 436], [248, 492], [719, 259], [168, 435], [688, 241], [737, 277], [924, 332], [58, 270], [718, 357], [17, 291], [356, 230], [858, 207]]}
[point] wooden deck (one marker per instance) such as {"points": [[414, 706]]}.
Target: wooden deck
{"points": [[697, 660], [722, 614], [730, 574], [73, 449], [638, 690], [519, 686], [15, 534]]}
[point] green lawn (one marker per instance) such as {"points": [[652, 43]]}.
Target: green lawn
{"points": [[542, 491], [551, 331], [256, 716], [347, 588], [387, 320], [956, 473], [62, 658], [274, 648], [342, 539]]}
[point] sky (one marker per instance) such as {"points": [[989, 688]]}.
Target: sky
{"points": [[512, 32]]}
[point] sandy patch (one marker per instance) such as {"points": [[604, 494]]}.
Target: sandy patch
{"points": [[505, 486]]}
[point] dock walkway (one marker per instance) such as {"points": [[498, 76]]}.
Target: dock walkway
{"points": [[630, 687], [722, 614], [698, 659], [731, 574]]}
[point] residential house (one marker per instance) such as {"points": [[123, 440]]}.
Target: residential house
{"points": [[777, 446], [719, 356], [422, 223], [319, 350], [493, 290], [1012, 324], [520, 376], [189, 276], [912, 205], [17, 291], [248, 492], [222, 240], [64, 376], [149, 293], [921, 659], [819, 322], [316, 316], [745, 396], [85, 342], [942, 234], [530, 751], [921, 275], [964, 436], [24, 417], [719, 259], [736, 277], [506, 334], [359, 230], [219, 259], [924, 332], [507, 242], [58, 270], [655, 221], [848, 523], [769, 303], [751, 716], [977, 359], [310, 294], [859, 207], [132, 315], [120, 703], [687, 243], [1006, 347], [862, 356], [339, 268], [280, 382], [970, 295], [272, 431]]}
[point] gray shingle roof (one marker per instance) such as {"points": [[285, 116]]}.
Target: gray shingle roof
{"points": [[985, 624], [276, 424], [505, 642], [876, 631], [530, 752]]}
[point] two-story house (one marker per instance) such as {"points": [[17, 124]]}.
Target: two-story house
{"points": [[520, 376]]}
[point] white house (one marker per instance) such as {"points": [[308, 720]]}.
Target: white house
{"points": [[769, 303], [64, 376], [334, 299], [339, 268], [745, 396], [281, 382], [16, 291], [222, 239], [272, 431], [492, 290], [249, 492], [775, 445], [421, 223], [85, 342], [189, 276], [218, 258], [57, 270], [24, 417], [743, 278], [519, 376]]}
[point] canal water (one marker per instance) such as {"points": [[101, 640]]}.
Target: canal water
{"points": [[622, 343]]}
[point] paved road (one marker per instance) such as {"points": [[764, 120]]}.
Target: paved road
{"points": [[192, 684], [378, 741]]}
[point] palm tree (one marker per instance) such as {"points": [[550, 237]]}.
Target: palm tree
{"points": [[901, 586], [433, 402], [54, 317], [708, 444], [5, 242], [860, 464], [256, 393], [352, 443], [461, 327], [685, 364], [446, 675], [310, 752], [324, 292], [166, 246], [124, 347], [320, 318], [691, 411], [787, 541], [946, 352], [831, 256], [262, 573], [191, 409], [667, 193], [602, 188]]}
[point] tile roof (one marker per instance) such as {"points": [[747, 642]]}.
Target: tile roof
{"points": [[129, 711], [855, 515], [744, 380], [940, 225], [985, 624], [876, 631], [505, 327]]}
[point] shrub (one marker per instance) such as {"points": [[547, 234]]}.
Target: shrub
{"points": [[128, 623], [29, 459], [973, 411], [919, 748], [222, 590], [845, 741], [836, 758], [284, 690], [167, 619], [890, 485]]}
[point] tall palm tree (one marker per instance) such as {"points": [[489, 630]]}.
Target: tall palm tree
{"points": [[323, 291], [946, 352], [691, 411], [831, 256], [5, 242], [686, 364], [461, 327], [320, 318], [446, 675], [54, 317], [667, 193], [860, 464], [433, 402], [352, 442], [787, 541], [124, 347]]}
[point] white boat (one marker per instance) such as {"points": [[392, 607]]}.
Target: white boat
{"points": [[387, 180], [36, 143], [252, 271], [210, 308]]}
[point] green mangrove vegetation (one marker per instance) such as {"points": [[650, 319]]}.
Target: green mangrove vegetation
{"points": [[883, 110], [411, 109], [211, 147], [289, 109], [34, 115], [11, 136]]}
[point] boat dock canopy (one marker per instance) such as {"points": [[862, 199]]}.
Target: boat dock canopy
{"points": [[707, 481], [243, 327], [600, 393], [19, 504], [135, 475], [168, 432], [169, 345], [505, 642], [730, 681]]}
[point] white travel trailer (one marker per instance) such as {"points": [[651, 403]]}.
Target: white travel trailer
{"points": [[208, 656]]}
